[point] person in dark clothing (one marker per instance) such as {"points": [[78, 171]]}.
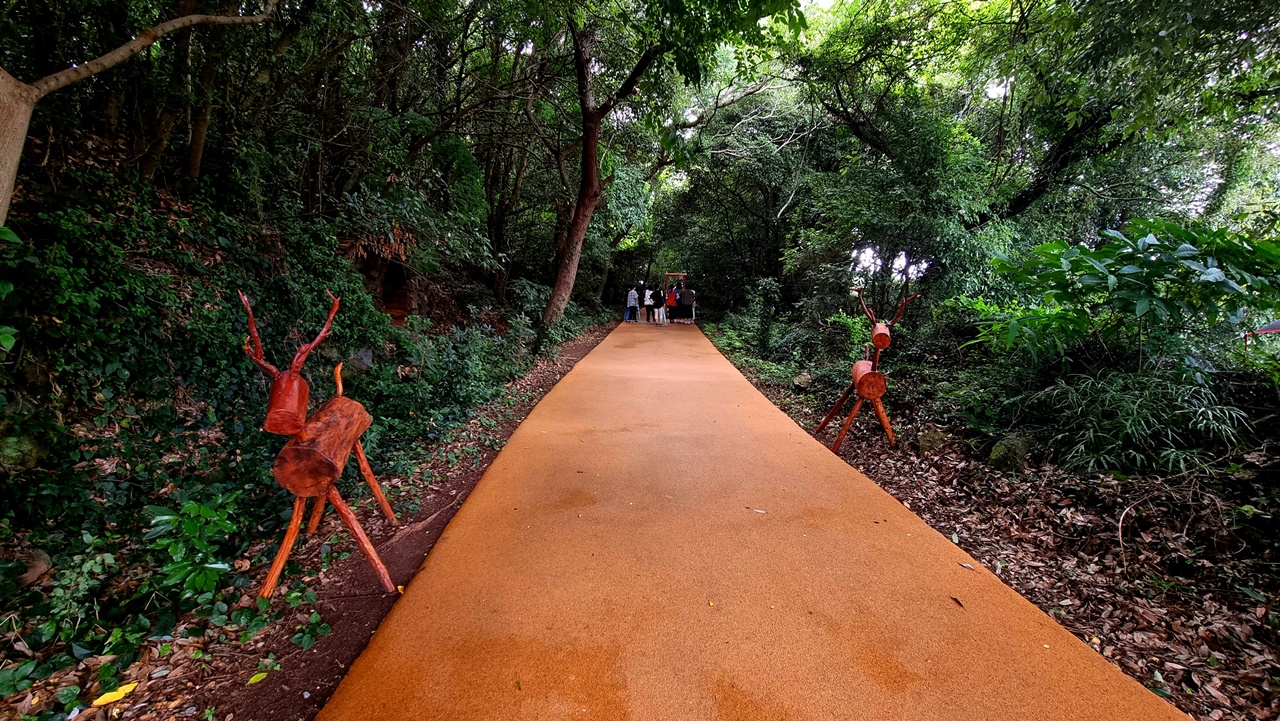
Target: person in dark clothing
{"points": [[690, 301]]}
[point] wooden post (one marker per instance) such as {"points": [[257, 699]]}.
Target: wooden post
{"points": [[835, 409], [884, 421], [317, 511]]}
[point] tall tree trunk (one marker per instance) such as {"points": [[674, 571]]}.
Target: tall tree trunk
{"points": [[214, 49], [590, 185], [1229, 174], [17, 100], [589, 188]]}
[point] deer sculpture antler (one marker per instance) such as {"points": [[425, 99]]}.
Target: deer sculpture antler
{"points": [[255, 351], [303, 351], [253, 343], [902, 308]]}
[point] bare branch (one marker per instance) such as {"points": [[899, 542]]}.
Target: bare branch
{"points": [[58, 80]]}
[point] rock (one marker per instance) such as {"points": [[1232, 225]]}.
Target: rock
{"points": [[932, 439], [802, 381], [1010, 454], [19, 452], [361, 360]]}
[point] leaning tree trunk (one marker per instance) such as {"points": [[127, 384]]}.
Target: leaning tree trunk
{"points": [[17, 100], [589, 188]]}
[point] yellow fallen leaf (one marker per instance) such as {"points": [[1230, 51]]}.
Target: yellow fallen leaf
{"points": [[114, 696], [400, 589], [257, 677]]}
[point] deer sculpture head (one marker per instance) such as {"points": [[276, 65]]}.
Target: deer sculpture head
{"points": [[880, 336], [290, 394]]}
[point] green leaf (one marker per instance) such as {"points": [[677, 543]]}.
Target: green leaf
{"points": [[257, 677], [1140, 309], [67, 694]]}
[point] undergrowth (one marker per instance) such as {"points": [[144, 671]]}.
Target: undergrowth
{"points": [[133, 470]]}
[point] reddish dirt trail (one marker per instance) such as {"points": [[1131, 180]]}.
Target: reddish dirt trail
{"points": [[612, 564]]}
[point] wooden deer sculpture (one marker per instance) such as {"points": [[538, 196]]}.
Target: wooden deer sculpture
{"points": [[868, 381], [318, 448]]}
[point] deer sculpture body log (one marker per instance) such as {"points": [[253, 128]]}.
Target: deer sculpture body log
{"points": [[318, 449], [868, 382]]}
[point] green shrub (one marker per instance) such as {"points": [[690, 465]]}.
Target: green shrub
{"points": [[1135, 422], [129, 413]]}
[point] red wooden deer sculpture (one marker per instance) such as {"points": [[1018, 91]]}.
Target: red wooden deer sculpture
{"points": [[318, 448], [868, 381]]}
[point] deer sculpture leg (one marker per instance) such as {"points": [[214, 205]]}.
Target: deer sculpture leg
{"points": [[835, 409], [317, 511], [844, 430], [362, 540], [291, 535], [884, 421], [363, 461]]}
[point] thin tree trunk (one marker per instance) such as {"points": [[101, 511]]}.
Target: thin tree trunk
{"points": [[590, 185], [173, 100], [214, 51], [17, 100]]}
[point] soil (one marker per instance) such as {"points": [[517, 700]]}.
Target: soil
{"points": [[216, 678]]}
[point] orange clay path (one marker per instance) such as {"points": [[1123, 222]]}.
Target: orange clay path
{"points": [[613, 563]]}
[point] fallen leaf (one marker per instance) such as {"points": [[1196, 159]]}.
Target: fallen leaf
{"points": [[971, 568], [958, 603], [116, 695], [257, 677]]}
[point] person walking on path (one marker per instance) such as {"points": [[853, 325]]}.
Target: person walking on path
{"points": [[632, 308], [672, 314], [648, 305], [660, 307], [690, 301]]}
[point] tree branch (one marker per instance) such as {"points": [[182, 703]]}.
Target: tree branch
{"points": [[56, 81]]}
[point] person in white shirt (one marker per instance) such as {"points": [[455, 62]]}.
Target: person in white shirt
{"points": [[648, 305], [632, 307]]}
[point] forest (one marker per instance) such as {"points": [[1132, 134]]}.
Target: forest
{"points": [[1085, 194]]}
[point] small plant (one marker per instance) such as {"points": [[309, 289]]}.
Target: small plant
{"points": [[191, 537], [308, 632]]}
